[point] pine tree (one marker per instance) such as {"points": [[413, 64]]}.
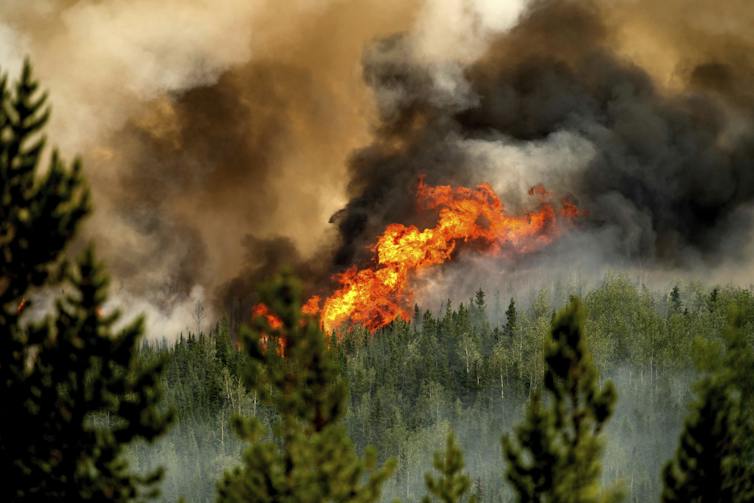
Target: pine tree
{"points": [[555, 455], [710, 465], [675, 300], [479, 300], [713, 299], [510, 320], [310, 457], [452, 484], [73, 393], [713, 460]]}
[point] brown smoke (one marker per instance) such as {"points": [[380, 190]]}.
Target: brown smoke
{"points": [[665, 156], [707, 43], [221, 136], [202, 122]]}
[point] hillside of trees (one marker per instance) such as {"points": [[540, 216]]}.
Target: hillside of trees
{"points": [[471, 369], [564, 396]]}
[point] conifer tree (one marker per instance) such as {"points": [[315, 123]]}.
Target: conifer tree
{"points": [[554, 456], [310, 457], [713, 460], [73, 393], [510, 319], [710, 465], [479, 300], [713, 299], [452, 484], [675, 300]]}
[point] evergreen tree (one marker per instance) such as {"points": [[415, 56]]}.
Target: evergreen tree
{"points": [[555, 455], [73, 392], [713, 298], [713, 460], [479, 300], [675, 300], [310, 457], [452, 484], [710, 465], [510, 320]]}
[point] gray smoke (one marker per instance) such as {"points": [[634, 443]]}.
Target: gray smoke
{"points": [[220, 152], [665, 172]]}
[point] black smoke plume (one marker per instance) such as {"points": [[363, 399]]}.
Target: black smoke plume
{"points": [[672, 173]]}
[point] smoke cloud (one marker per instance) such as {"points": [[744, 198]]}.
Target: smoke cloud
{"points": [[226, 139], [660, 155], [203, 125]]}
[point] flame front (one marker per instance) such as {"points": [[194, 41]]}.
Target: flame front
{"points": [[274, 322], [375, 296]]}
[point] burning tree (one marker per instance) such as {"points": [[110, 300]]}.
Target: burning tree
{"points": [[73, 395], [310, 457], [377, 295], [555, 456]]}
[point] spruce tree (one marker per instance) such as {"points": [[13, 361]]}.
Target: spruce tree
{"points": [[309, 456], [452, 484], [554, 456], [73, 394], [710, 465], [510, 320], [479, 300], [675, 300], [713, 462]]}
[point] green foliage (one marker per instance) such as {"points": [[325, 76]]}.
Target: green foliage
{"points": [[407, 384], [452, 484], [713, 461], [555, 456], [675, 300], [39, 213], [73, 391], [710, 465], [310, 457], [511, 319]]}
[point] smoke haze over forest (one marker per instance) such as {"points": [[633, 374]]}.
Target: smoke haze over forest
{"points": [[224, 139]]}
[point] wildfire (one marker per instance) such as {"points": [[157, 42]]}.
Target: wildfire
{"points": [[311, 306], [274, 322], [375, 296]]}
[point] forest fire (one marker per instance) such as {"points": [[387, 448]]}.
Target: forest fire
{"points": [[274, 322], [375, 296]]}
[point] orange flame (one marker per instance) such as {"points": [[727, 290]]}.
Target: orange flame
{"points": [[375, 296], [311, 306], [274, 322]]}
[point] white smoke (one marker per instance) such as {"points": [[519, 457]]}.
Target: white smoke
{"points": [[512, 167], [190, 315], [101, 61]]}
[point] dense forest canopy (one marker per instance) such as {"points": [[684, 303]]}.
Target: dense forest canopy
{"points": [[469, 368], [333, 196]]}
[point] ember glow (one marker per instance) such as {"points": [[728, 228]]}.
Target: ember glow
{"points": [[21, 306], [263, 311], [274, 322], [375, 296]]}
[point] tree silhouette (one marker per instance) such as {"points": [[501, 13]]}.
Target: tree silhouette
{"points": [[452, 484], [713, 460], [554, 456], [73, 394], [511, 322], [675, 300], [310, 457]]}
